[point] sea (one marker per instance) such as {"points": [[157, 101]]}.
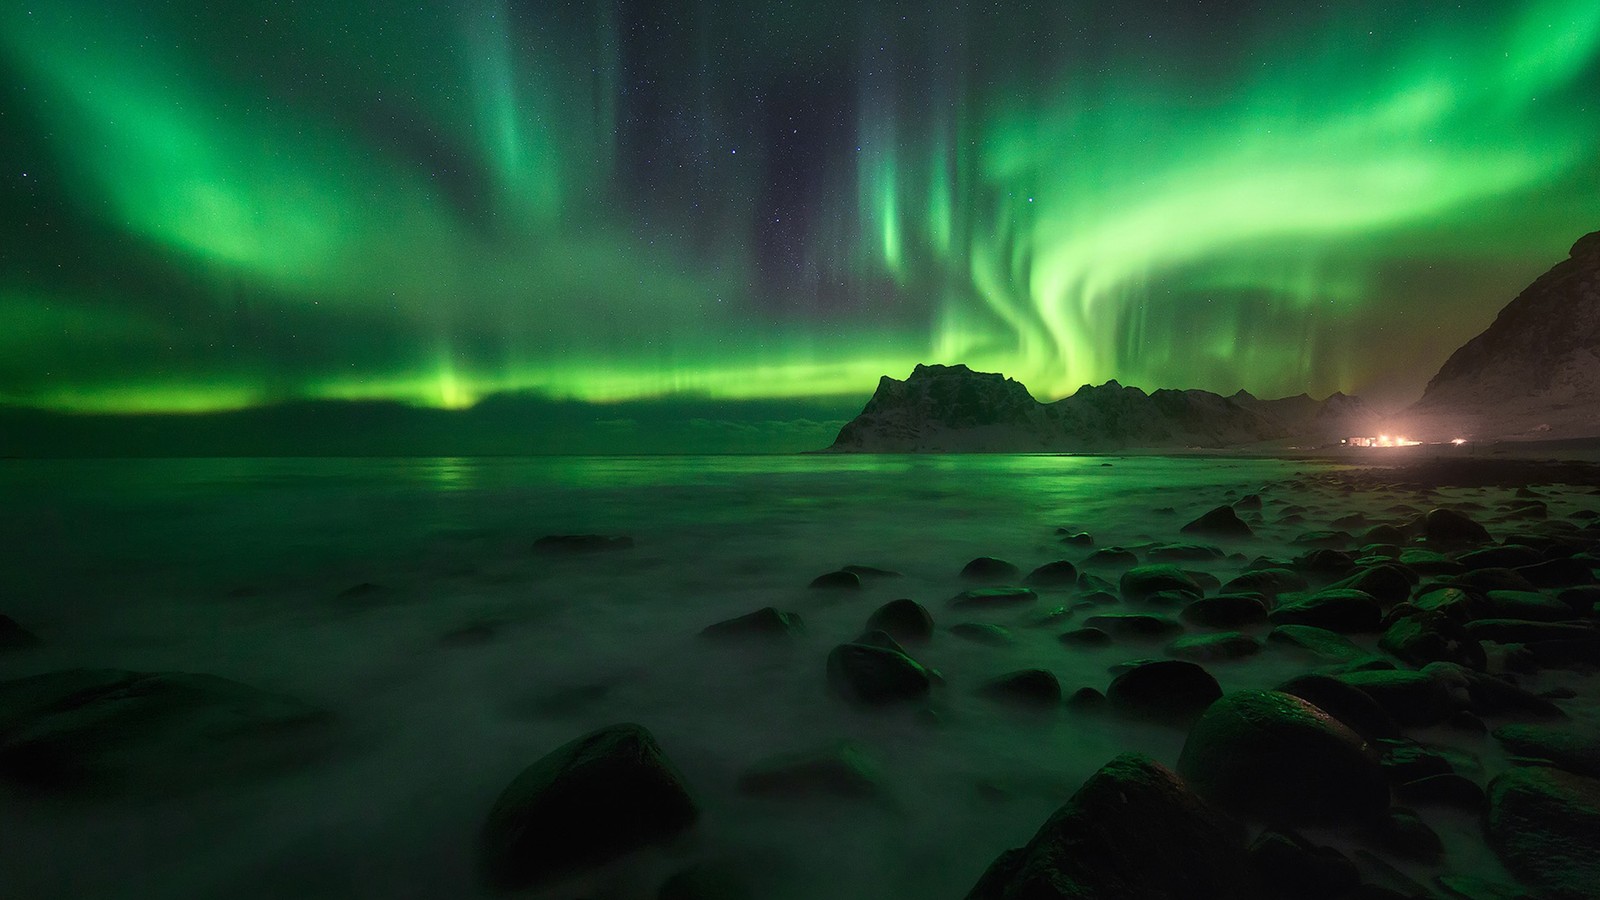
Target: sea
{"points": [[405, 597]]}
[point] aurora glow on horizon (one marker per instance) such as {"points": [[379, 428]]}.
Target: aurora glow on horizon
{"points": [[216, 206]]}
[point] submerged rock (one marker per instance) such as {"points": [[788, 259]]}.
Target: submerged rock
{"points": [[1336, 609], [1316, 641], [1350, 705], [1222, 522], [1133, 830], [1446, 526], [1562, 746], [1027, 687], [840, 580], [1293, 867], [587, 802], [904, 619], [1142, 581], [1168, 690], [1134, 625], [1222, 645], [1410, 698], [149, 732], [1545, 826], [842, 770], [1226, 611], [764, 622], [994, 597], [875, 676], [1060, 573], [1275, 756], [987, 568], [983, 633]]}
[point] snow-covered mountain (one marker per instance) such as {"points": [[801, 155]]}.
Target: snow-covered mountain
{"points": [[952, 408]]}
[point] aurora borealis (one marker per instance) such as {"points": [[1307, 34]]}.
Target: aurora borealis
{"points": [[211, 207]]}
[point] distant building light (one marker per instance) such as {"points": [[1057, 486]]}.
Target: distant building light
{"points": [[1459, 441]]}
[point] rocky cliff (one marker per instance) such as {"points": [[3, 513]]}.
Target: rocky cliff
{"points": [[1534, 372]]}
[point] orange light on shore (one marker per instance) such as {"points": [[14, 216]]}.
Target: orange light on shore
{"points": [[1459, 441]]}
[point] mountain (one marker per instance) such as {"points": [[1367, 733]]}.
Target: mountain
{"points": [[953, 408], [1535, 371]]}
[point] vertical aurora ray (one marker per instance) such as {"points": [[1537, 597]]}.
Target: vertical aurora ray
{"points": [[441, 201]]}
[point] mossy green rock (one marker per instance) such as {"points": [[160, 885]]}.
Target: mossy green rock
{"points": [[1545, 825]]}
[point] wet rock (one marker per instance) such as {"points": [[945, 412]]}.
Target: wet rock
{"points": [[987, 568], [1493, 696], [1226, 611], [1505, 556], [1112, 558], [1224, 645], [870, 573], [1142, 581], [1086, 637], [14, 636], [1446, 789], [1402, 834], [1482, 580], [1427, 636], [1581, 600], [1060, 573], [1080, 539], [1454, 603], [1271, 755], [1221, 522], [1324, 561], [907, 620], [840, 580], [1170, 690], [1520, 631], [1336, 540], [873, 637], [140, 734], [994, 598], [1348, 704], [1446, 526], [765, 622], [1293, 867], [1098, 598], [1390, 583], [476, 634], [1471, 887], [1336, 609], [1557, 573], [1316, 641], [1544, 824], [1564, 747], [1429, 562], [1183, 553], [1248, 501], [1133, 830], [1085, 699], [1383, 534], [571, 544], [1269, 582], [589, 801], [1134, 625], [1528, 605], [982, 633], [876, 676], [1410, 698], [841, 770], [1036, 688], [1091, 582]]}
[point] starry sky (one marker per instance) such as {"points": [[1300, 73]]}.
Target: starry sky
{"points": [[210, 207]]}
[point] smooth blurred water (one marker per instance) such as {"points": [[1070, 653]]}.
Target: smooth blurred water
{"points": [[235, 567]]}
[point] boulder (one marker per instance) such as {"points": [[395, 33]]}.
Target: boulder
{"points": [[1427, 636], [1293, 867], [1350, 705], [1141, 625], [1219, 522], [1410, 698], [904, 619], [1316, 641], [995, 597], [1085, 637], [764, 622], [1389, 582], [1271, 755], [1140, 582], [1036, 688], [1133, 830], [1446, 526], [585, 803], [1564, 747], [841, 580], [1558, 573], [1169, 690], [1060, 573], [1270, 582], [1183, 553], [987, 568], [1544, 824], [876, 676], [1529, 605], [983, 633], [149, 733], [1222, 645], [1225, 611], [1336, 609], [841, 770], [1112, 558]]}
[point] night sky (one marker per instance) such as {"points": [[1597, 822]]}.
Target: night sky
{"points": [[213, 206]]}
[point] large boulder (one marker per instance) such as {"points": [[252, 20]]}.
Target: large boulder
{"points": [[1167, 690], [158, 733], [1219, 522], [1413, 699], [1446, 526], [1342, 609], [1140, 582], [1348, 704], [1544, 824], [1275, 756], [585, 803], [1132, 831], [903, 619], [875, 676]]}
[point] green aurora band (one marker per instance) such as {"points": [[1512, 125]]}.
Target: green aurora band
{"points": [[433, 202]]}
